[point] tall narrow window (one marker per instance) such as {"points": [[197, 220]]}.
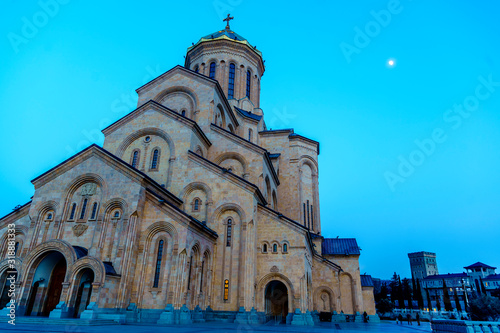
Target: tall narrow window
{"points": [[249, 80], [135, 159], [275, 248], [84, 207], [158, 264], [285, 247], [308, 221], [16, 247], [201, 277], [212, 70], [230, 89], [250, 134], [154, 160], [305, 219], [196, 68], [312, 218], [94, 211], [226, 290], [72, 214], [264, 248], [183, 112], [196, 205], [229, 230], [189, 275]]}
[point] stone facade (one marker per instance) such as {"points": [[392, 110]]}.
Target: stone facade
{"points": [[191, 210]]}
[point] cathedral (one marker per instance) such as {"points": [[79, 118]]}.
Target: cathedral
{"points": [[191, 211]]}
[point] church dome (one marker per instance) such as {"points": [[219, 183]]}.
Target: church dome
{"points": [[226, 34]]}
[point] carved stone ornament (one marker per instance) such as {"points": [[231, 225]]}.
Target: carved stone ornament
{"points": [[79, 229], [274, 269], [88, 189]]}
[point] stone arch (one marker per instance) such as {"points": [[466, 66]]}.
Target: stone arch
{"points": [[188, 189], [158, 227], [319, 301], [185, 91], [114, 203], [235, 156], [222, 115], [229, 206], [35, 257], [87, 262], [347, 294], [142, 132], [20, 232], [83, 179], [260, 290], [5, 265]]}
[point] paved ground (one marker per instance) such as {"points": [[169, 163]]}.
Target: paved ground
{"points": [[386, 327]]}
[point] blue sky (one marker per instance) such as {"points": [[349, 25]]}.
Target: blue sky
{"points": [[76, 70]]}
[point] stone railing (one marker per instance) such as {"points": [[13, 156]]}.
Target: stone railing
{"points": [[464, 326]]}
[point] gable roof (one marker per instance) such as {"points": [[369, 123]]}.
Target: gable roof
{"points": [[340, 246], [163, 109], [479, 265], [201, 76], [366, 280], [107, 154], [232, 175]]}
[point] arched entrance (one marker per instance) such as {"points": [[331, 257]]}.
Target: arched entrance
{"points": [[84, 291], [47, 285], [5, 282], [276, 301]]}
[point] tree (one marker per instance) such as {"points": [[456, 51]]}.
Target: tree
{"points": [[446, 298], [384, 306], [485, 308], [418, 295], [457, 301], [407, 292], [496, 293], [395, 286]]}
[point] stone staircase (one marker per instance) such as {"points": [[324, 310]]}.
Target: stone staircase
{"points": [[68, 321]]}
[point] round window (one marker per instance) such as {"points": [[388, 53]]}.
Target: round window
{"points": [[147, 139]]}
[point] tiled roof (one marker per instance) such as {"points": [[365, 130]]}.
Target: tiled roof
{"points": [[248, 114], [366, 280], [342, 246], [445, 276], [479, 265]]}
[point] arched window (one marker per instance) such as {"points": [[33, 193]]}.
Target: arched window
{"points": [[196, 68], [49, 216], [264, 248], [250, 132], [72, 214], [229, 230], [94, 211], [249, 80], [183, 112], [135, 158], [84, 207], [158, 264], [226, 290], [275, 248], [230, 89], [16, 247], [154, 159], [212, 70], [285, 247], [117, 214], [196, 206]]}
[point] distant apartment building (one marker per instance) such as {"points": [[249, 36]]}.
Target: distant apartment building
{"points": [[423, 264]]}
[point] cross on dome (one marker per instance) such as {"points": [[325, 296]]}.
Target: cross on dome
{"points": [[227, 19]]}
